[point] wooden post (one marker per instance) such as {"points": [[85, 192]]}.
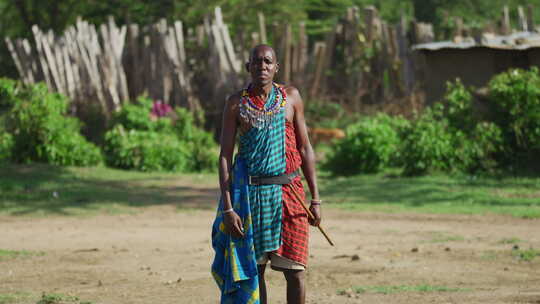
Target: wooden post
{"points": [[286, 64], [278, 40], [303, 48], [530, 18], [134, 60], [523, 25], [404, 43], [262, 28], [200, 35], [295, 50], [27, 60], [386, 61], [424, 33], [41, 56], [458, 34], [505, 26], [226, 38], [17, 60], [396, 62], [352, 33], [70, 78], [255, 39], [370, 14], [320, 48]]}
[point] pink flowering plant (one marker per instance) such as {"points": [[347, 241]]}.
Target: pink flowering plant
{"points": [[160, 109], [153, 136]]}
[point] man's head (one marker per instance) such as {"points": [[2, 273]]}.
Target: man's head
{"points": [[262, 65]]}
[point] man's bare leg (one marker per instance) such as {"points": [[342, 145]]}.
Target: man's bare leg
{"points": [[296, 291], [262, 283]]}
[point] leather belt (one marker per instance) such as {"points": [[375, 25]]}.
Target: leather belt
{"points": [[283, 179]]}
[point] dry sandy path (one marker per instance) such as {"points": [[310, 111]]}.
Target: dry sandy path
{"points": [[138, 258]]}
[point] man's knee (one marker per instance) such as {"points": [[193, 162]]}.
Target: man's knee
{"points": [[295, 275]]}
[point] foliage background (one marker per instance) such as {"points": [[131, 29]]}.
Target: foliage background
{"points": [[18, 16]]}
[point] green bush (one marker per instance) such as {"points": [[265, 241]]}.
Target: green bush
{"points": [[201, 142], [136, 116], [401, 126], [147, 142], [146, 150], [429, 146], [368, 147], [448, 137], [515, 96], [40, 129], [458, 108], [8, 89], [6, 146], [480, 148]]}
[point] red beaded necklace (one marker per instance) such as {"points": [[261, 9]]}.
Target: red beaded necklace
{"points": [[259, 112]]}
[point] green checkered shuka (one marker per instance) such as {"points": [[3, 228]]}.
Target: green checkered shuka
{"points": [[263, 149]]}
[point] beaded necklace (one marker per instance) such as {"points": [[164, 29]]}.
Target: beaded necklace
{"points": [[257, 112]]}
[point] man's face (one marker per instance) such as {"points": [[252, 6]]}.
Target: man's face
{"points": [[262, 65]]}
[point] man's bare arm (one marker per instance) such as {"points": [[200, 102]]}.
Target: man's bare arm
{"points": [[305, 149], [228, 134]]}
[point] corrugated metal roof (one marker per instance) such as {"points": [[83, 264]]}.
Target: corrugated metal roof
{"points": [[515, 41]]}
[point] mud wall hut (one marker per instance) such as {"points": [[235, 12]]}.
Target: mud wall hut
{"points": [[474, 62]]}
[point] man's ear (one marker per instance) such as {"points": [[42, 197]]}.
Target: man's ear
{"points": [[247, 66], [277, 67]]}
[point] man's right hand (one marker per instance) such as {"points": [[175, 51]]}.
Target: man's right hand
{"points": [[233, 224]]}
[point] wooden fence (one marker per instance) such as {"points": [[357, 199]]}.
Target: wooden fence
{"points": [[363, 60]]}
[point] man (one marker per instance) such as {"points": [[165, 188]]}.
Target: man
{"points": [[274, 145]]}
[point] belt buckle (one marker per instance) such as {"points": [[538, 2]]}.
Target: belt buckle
{"points": [[250, 180]]}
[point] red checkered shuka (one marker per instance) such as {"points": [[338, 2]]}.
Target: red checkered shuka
{"points": [[295, 227]]}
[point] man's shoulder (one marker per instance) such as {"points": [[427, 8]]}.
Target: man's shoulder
{"points": [[293, 94], [290, 89], [235, 97]]}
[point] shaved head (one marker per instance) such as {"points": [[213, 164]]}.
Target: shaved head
{"points": [[262, 47], [262, 65]]}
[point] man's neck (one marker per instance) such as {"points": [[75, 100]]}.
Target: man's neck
{"points": [[262, 91]]}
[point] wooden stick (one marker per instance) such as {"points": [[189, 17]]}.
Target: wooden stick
{"points": [[299, 198]]}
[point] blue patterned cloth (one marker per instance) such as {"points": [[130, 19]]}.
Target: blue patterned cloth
{"points": [[235, 268], [261, 153]]}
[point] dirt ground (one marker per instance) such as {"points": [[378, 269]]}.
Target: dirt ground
{"points": [[163, 255]]}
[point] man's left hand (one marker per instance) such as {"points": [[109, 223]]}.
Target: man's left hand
{"points": [[316, 211]]}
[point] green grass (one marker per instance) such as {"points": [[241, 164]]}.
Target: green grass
{"points": [[11, 254], [17, 297], [442, 237], [489, 255], [512, 240], [458, 194], [44, 190], [56, 298], [402, 288], [526, 255]]}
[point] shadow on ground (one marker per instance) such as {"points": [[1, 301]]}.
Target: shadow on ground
{"points": [[420, 191], [54, 190]]}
